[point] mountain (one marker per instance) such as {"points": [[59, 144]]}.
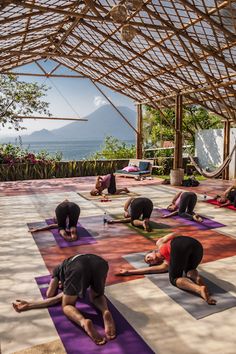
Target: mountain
{"points": [[40, 135], [105, 121]]}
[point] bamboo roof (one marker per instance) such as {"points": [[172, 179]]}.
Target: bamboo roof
{"points": [[180, 46]]}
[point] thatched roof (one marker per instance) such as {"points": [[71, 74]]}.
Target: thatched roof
{"points": [[186, 46]]}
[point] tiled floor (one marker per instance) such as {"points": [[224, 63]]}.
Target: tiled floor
{"points": [[163, 324]]}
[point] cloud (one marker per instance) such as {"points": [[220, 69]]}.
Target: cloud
{"points": [[99, 101]]}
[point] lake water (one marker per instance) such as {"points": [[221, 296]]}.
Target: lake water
{"points": [[71, 150]]}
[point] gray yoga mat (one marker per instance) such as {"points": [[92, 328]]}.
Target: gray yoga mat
{"points": [[192, 303]]}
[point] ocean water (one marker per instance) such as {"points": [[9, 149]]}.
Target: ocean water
{"points": [[71, 150]]}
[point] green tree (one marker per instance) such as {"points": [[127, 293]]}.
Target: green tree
{"points": [[113, 148], [158, 128], [19, 98]]}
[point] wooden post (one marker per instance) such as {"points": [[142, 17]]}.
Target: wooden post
{"points": [[139, 135], [225, 174], [178, 159]]}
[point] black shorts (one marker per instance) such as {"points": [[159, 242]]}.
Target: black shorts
{"points": [[141, 207], [186, 254], [85, 271], [67, 210], [112, 186]]}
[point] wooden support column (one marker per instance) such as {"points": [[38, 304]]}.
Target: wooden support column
{"points": [[225, 174], [178, 159], [139, 135]]}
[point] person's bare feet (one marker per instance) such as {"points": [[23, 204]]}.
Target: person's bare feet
{"points": [[74, 235], [206, 296], [146, 226], [88, 327], [197, 218], [64, 235], [109, 325]]}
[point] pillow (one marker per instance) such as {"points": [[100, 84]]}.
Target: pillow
{"points": [[131, 169], [144, 165]]}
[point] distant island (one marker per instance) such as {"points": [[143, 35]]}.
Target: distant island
{"points": [[105, 121]]}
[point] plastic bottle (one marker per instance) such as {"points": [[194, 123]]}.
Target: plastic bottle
{"points": [[205, 196], [104, 218]]}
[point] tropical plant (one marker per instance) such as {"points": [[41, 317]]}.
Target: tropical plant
{"points": [[159, 128], [19, 98], [113, 148]]}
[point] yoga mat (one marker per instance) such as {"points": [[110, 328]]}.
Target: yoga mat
{"points": [[214, 202], [84, 236], [88, 196], [192, 303], [205, 224], [76, 341]]}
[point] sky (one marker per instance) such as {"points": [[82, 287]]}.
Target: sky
{"points": [[67, 97]]}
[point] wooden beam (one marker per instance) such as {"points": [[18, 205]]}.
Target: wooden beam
{"points": [[42, 75], [178, 159], [117, 110], [139, 135], [53, 118], [226, 147]]}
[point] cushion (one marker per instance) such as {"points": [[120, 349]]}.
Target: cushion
{"points": [[131, 169], [144, 165]]}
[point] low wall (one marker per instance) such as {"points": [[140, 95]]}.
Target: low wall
{"points": [[26, 171]]}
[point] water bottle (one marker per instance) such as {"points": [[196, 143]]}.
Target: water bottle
{"points": [[104, 218], [205, 196]]}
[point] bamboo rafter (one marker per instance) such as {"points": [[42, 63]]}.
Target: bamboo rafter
{"points": [[181, 46]]}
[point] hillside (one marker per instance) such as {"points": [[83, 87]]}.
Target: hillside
{"points": [[102, 122], [105, 121]]}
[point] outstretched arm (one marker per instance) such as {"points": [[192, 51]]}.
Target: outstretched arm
{"points": [[98, 182], [169, 215], [119, 221], [53, 287], [225, 194], [162, 268], [176, 197], [22, 305], [43, 228], [127, 204], [166, 238]]}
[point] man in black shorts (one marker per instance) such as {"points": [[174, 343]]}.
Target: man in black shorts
{"points": [[67, 215], [75, 275], [134, 209]]}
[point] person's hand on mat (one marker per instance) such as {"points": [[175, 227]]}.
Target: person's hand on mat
{"points": [[164, 216], [20, 305], [123, 272]]}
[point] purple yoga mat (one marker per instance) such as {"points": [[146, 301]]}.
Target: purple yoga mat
{"points": [[76, 341], [206, 224], [84, 236]]}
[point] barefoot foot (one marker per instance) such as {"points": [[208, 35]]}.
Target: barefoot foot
{"points": [[88, 327], [197, 218], [146, 226], [206, 296], [109, 325]]}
